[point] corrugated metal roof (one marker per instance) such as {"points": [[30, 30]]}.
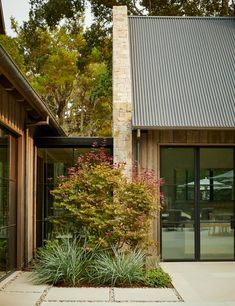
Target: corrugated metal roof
{"points": [[183, 72]]}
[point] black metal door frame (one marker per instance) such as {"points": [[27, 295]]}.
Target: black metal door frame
{"points": [[197, 242]]}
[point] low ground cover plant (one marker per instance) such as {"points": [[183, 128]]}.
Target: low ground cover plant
{"points": [[156, 277]]}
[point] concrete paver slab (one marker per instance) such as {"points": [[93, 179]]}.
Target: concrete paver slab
{"points": [[203, 281], [23, 283], [18, 299], [145, 294], [8, 279], [78, 294]]}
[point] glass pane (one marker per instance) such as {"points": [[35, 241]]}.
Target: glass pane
{"points": [[4, 204], [177, 168], [216, 203], [7, 202], [54, 162]]}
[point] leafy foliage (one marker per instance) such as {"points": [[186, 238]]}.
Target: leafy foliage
{"points": [[46, 12], [68, 71], [118, 268], [61, 262], [97, 199], [10, 44], [157, 278]]}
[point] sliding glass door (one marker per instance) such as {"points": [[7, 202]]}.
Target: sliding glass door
{"points": [[197, 220], [216, 203]]}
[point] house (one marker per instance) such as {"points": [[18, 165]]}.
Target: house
{"points": [[174, 112], [33, 148]]}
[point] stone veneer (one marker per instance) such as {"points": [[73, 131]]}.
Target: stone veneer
{"points": [[122, 98]]}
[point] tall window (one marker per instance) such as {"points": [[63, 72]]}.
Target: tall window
{"points": [[8, 171], [198, 214]]}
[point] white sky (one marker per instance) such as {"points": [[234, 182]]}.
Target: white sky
{"points": [[19, 9]]}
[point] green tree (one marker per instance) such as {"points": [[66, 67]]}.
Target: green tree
{"points": [[46, 12], [11, 45], [72, 78]]}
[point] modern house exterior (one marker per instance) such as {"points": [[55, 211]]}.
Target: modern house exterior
{"points": [[174, 112]]}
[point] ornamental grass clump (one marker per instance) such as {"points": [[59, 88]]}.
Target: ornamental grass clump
{"points": [[118, 268], [61, 262]]}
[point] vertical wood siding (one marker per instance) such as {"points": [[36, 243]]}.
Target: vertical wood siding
{"points": [[12, 113], [30, 192], [12, 117]]}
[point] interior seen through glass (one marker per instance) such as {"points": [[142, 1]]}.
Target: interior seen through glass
{"points": [[197, 219], [8, 168]]}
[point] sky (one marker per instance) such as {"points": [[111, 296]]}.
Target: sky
{"points": [[16, 8]]}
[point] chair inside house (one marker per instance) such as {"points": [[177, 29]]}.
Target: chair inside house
{"points": [[174, 220]]}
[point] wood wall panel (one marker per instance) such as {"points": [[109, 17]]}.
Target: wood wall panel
{"points": [[150, 141], [12, 113], [30, 193]]}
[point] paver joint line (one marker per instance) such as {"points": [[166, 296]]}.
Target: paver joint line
{"points": [[111, 295], [178, 295], [42, 297]]}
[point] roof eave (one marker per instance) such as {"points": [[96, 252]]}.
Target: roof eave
{"points": [[182, 128]]}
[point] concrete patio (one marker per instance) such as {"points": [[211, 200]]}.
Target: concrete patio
{"points": [[203, 284]]}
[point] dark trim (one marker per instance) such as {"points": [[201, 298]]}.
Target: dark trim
{"points": [[233, 220], [160, 219], [72, 142], [197, 232]]}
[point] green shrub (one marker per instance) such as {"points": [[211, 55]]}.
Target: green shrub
{"points": [[157, 278], [96, 198], [61, 261], [118, 268]]}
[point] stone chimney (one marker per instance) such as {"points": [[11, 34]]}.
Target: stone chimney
{"points": [[122, 97]]}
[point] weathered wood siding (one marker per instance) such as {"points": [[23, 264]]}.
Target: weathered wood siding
{"points": [[30, 194], [12, 113], [13, 117]]}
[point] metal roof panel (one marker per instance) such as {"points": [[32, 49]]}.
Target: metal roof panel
{"points": [[183, 71]]}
